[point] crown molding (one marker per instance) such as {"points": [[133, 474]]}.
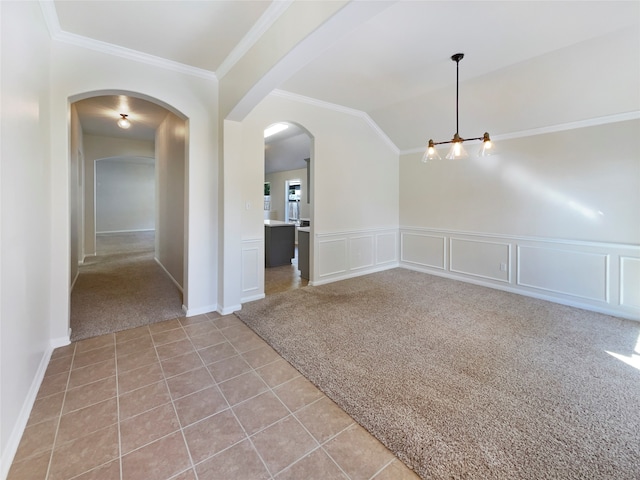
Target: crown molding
{"points": [[57, 34], [561, 127], [590, 122], [338, 108], [50, 17], [268, 18]]}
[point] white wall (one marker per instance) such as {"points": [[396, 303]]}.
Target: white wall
{"points": [[278, 196], [76, 194], [558, 212], [125, 195], [581, 184], [170, 215], [195, 97], [25, 221], [353, 230], [97, 147]]}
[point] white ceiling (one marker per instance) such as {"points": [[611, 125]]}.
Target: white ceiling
{"points": [[198, 33], [384, 67], [99, 115], [286, 150]]}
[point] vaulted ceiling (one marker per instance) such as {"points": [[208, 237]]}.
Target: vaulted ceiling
{"points": [[388, 66]]}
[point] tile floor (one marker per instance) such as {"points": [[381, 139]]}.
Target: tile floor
{"points": [[283, 278], [193, 398]]}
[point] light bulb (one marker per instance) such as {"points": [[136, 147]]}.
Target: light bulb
{"points": [[430, 153], [487, 147], [457, 151], [124, 121]]}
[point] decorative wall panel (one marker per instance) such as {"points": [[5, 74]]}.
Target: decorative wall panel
{"points": [[630, 282], [252, 278], [348, 254], [580, 274], [423, 250], [603, 277], [480, 258], [361, 252]]}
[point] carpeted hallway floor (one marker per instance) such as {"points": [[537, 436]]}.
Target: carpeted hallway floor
{"points": [[122, 287]]}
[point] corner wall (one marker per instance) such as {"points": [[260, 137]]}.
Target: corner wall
{"points": [[170, 211], [354, 193], [25, 218], [553, 216], [195, 98]]}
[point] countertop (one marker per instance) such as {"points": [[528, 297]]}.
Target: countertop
{"points": [[278, 223]]}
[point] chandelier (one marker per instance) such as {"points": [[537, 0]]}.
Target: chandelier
{"points": [[457, 149]]}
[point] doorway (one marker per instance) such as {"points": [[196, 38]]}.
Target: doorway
{"points": [[287, 173], [128, 209]]}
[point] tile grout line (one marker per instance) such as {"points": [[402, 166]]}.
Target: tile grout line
{"points": [[291, 413], [247, 436], [115, 346], [372, 477], [175, 410], [117, 397], [64, 398], [320, 445]]}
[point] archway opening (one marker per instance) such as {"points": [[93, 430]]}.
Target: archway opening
{"points": [[288, 206], [128, 189]]}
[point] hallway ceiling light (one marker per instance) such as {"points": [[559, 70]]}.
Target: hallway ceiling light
{"points": [[124, 122], [275, 128], [457, 149]]}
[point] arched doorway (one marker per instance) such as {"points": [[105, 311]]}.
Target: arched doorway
{"points": [[141, 187], [288, 199]]}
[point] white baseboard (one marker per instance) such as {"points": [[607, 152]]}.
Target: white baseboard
{"points": [[192, 312], [73, 284], [170, 276], [229, 310], [253, 298], [13, 442], [87, 255], [107, 232], [60, 341], [353, 274]]}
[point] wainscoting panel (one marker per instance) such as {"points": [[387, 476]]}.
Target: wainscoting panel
{"points": [[343, 255], [480, 258], [386, 248], [423, 250], [362, 252], [333, 256], [581, 274], [252, 280], [630, 282], [603, 277]]}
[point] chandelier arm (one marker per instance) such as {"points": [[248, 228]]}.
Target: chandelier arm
{"points": [[461, 139]]}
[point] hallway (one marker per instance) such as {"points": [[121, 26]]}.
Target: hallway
{"points": [[122, 287]]}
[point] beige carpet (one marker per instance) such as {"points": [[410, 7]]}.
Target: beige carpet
{"points": [[122, 287], [462, 381]]}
